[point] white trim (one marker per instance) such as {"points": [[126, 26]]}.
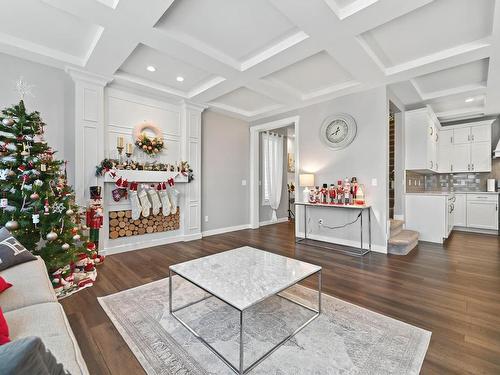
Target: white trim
{"points": [[213, 232], [343, 241], [270, 222], [255, 161]]}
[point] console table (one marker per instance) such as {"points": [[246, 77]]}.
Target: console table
{"points": [[361, 208]]}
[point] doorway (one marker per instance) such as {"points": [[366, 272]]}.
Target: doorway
{"points": [[396, 162], [261, 211]]}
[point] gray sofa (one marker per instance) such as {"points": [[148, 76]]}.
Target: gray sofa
{"points": [[31, 309]]}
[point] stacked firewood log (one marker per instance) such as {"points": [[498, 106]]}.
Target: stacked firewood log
{"points": [[122, 225]]}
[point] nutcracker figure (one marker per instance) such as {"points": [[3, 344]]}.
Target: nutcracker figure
{"points": [[94, 214]]}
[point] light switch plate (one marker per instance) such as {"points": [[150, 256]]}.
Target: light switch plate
{"points": [[243, 182], [374, 182]]}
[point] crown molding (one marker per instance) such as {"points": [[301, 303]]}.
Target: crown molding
{"points": [[78, 75]]}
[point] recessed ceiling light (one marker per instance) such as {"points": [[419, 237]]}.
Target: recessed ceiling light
{"points": [[151, 68], [469, 100], [180, 79]]}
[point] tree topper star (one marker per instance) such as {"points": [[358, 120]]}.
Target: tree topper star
{"points": [[23, 88]]}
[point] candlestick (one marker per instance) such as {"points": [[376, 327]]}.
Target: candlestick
{"points": [[129, 149], [120, 142]]}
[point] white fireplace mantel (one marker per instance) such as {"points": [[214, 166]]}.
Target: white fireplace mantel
{"points": [[146, 176]]}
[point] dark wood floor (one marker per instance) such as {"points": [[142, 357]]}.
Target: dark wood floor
{"points": [[451, 290]]}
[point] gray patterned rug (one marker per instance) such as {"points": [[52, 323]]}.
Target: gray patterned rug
{"points": [[344, 339]]}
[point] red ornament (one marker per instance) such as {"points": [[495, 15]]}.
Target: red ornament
{"points": [[91, 246]]}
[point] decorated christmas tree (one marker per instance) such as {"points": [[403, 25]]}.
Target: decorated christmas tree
{"points": [[37, 205]]}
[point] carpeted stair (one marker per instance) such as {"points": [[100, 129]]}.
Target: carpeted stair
{"points": [[401, 241]]}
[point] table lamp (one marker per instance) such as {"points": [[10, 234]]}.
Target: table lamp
{"points": [[306, 180]]}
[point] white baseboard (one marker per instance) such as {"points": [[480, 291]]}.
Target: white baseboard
{"points": [[269, 222], [343, 241], [151, 243], [475, 230], [213, 232]]}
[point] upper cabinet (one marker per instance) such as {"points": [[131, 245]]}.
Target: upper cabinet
{"points": [[451, 149], [421, 140], [471, 148]]}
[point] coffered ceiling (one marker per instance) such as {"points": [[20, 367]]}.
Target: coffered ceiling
{"points": [[257, 58]]}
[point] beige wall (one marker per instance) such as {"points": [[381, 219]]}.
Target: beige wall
{"points": [[225, 163]]}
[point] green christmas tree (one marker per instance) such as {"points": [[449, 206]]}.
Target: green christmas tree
{"points": [[37, 205]]}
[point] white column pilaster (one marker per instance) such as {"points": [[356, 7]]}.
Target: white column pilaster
{"points": [[191, 151], [88, 148]]}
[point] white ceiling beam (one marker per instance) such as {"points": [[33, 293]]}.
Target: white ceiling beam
{"points": [[328, 30]]}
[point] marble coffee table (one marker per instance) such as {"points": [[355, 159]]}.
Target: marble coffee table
{"points": [[242, 278]]}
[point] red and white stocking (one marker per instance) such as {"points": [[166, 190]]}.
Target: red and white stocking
{"points": [[155, 200], [173, 195], [165, 202], [134, 201], [145, 203]]}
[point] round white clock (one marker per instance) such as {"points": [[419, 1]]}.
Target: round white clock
{"points": [[338, 130]]}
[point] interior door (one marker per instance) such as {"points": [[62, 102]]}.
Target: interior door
{"points": [[480, 157], [461, 158], [461, 135]]}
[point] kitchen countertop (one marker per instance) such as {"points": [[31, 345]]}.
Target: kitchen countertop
{"points": [[445, 193]]}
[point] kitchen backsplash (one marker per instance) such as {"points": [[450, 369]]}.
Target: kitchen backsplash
{"points": [[418, 183]]}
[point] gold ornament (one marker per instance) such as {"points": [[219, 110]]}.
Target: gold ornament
{"points": [[34, 196], [11, 225], [51, 236], [69, 212], [8, 121]]}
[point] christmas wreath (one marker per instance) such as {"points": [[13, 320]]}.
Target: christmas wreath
{"points": [[150, 145]]}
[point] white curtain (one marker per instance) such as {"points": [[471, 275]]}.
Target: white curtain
{"points": [[273, 158]]}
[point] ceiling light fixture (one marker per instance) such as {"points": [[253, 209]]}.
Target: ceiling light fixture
{"points": [[469, 100], [151, 68], [180, 79]]}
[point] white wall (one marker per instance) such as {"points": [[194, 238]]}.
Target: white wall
{"points": [[225, 150], [52, 97], [366, 158]]}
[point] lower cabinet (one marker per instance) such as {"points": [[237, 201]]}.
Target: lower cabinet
{"points": [[482, 211], [460, 210]]}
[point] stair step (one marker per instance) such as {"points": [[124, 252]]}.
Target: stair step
{"points": [[396, 223], [404, 237]]}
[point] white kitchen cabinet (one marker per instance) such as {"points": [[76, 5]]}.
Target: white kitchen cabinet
{"points": [[421, 140], [481, 133], [482, 211], [461, 135], [460, 158], [428, 215], [460, 210], [445, 151], [480, 157]]}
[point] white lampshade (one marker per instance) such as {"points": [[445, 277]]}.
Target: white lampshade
{"points": [[306, 179]]}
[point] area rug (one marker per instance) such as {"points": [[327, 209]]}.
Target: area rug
{"points": [[344, 339]]}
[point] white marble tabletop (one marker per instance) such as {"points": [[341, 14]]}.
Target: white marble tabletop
{"points": [[244, 276]]}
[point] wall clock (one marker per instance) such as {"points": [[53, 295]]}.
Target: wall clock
{"points": [[338, 130]]}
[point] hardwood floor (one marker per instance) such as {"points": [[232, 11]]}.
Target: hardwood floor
{"points": [[451, 290]]}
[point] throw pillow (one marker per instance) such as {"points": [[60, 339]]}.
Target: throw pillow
{"points": [[11, 251], [4, 329], [4, 285]]}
